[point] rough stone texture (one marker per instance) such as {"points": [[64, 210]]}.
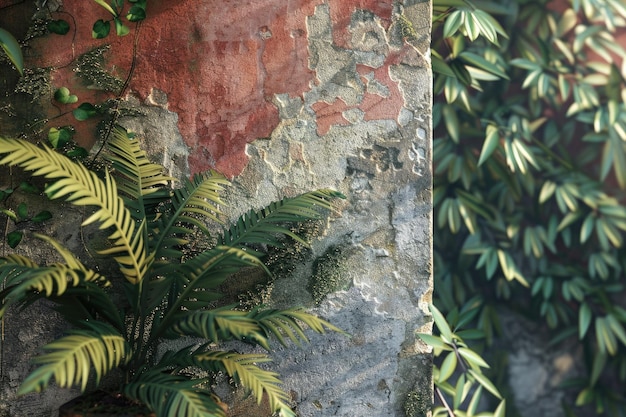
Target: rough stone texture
{"points": [[293, 96]]}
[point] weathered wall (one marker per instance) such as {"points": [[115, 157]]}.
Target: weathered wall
{"points": [[288, 97]]}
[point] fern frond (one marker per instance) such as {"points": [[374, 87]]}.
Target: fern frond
{"points": [[69, 360], [170, 395], [244, 369], [281, 323], [220, 324], [263, 226], [139, 181], [82, 187]]}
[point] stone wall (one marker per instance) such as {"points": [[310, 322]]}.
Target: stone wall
{"points": [[283, 97]]}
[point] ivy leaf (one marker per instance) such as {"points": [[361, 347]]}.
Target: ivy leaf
{"points": [[120, 28], [59, 137], [85, 111], [136, 13], [60, 27], [27, 187], [42, 216], [62, 95], [14, 238], [101, 29], [22, 211]]}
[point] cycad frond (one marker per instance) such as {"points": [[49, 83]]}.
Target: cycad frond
{"points": [[197, 200], [70, 359], [221, 324], [263, 226], [50, 281], [194, 285], [82, 187], [243, 367], [139, 181], [281, 323], [171, 395]]}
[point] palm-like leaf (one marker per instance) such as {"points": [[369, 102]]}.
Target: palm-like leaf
{"points": [[286, 323], [70, 359], [220, 324], [196, 201], [243, 368], [54, 280], [82, 187], [171, 395], [139, 181], [193, 286], [263, 226]]}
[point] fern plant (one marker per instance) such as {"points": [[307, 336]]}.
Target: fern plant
{"points": [[169, 291]]}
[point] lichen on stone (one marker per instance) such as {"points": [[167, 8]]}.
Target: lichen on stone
{"points": [[90, 67], [329, 274], [35, 82], [417, 403]]}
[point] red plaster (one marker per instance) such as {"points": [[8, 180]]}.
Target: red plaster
{"points": [[219, 62]]}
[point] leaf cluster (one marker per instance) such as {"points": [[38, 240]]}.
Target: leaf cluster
{"points": [[530, 173], [169, 291]]}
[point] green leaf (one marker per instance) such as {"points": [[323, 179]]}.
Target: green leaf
{"points": [[120, 28], [442, 324], [480, 62], [584, 320], [22, 211], [27, 187], [14, 238], [473, 358], [136, 13], [62, 95], [104, 4], [452, 123], [42, 216], [60, 26], [100, 29], [448, 366], [492, 140], [485, 382], [12, 49], [85, 111], [453, 23], [59, 137], [433, 341]]}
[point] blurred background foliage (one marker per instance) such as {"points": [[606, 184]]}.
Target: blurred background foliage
{"points": [[529, 157]]}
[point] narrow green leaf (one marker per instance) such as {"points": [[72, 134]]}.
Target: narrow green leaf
{"points": [[448, 366], [584, 320], [492, 139], [473, 358], [12, 49], [442, 324], [485, 382]]}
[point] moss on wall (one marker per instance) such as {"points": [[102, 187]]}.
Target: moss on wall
{"points": [[329, 273]]}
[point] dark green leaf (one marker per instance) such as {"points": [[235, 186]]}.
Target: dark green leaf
{"points": [[85, 111], [59, 137], [136, 13], [22, 211], [60, 26], [28, 187], [14, 238], [101, 29], [62, 95], [42, 216], [120, 28]]}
